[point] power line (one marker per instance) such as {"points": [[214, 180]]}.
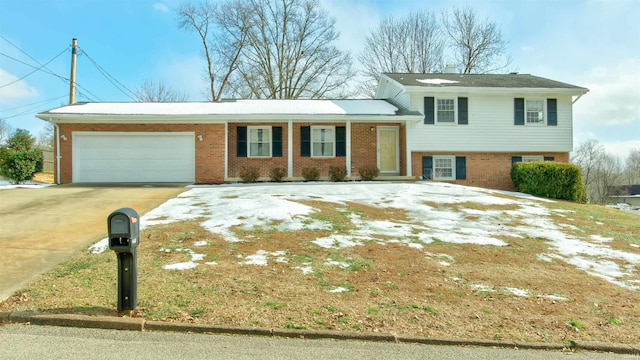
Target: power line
{"points": [[37, 105], [45, 70], [36, 69], [118, 85], [83, 91]]}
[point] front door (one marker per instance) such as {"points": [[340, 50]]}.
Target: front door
{"points": [[388, 153]]}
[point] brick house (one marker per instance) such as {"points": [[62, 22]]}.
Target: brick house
{"points": [[444, 127]]}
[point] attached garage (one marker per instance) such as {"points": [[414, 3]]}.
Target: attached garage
{"points": [[133, 157]]}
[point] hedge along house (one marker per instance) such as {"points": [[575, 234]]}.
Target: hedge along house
{"points": [[212, 142], [466, 129], [476, 126]]}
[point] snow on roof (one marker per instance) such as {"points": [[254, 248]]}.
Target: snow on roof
{"points": [[234, 107], [437, 81]]}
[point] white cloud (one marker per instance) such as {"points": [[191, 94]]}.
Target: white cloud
{"points": [[610, 111], [17, 90], [161, 7], [614, 94]]}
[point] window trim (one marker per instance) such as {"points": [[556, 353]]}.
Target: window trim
{"points": [[270, 130], [452, 159], [544, 112], [311, 141], [455, 111]]}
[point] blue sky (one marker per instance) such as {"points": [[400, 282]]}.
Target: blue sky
{"points": [[589, 43]]}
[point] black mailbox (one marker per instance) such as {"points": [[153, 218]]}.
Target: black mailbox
{"points": [[124, 236], [124, 230]]}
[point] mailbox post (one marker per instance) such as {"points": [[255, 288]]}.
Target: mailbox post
{"points": [[124, 237]]}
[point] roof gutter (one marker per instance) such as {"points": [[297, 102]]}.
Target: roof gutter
{"points": [[216, 118]]}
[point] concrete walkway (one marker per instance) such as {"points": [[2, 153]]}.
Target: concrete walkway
{"points": [[40, 228]]}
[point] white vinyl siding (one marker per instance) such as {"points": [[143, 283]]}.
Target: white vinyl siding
{"points": [[133, 157], [491, 127]]}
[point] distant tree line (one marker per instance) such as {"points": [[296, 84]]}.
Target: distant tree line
{"points": [[604, 174]]}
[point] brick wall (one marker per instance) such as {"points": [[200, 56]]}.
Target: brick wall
{"points": [[264, 165], [487, 170], [364, 145], [209, 152], [322, 164]]}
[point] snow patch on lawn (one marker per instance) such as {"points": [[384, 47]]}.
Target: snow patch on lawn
{"points": [[435, 212]]}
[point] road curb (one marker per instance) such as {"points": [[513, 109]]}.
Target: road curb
{"points": [[139, 324]]}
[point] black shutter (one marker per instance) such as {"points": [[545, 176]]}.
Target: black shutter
{"points": [[518, 106], [461, 168], [241, 141], [516, 159], [341, 141], [276, 144], [548, 158], [429, 111], [463, 113], [427, 167], [305, 141], [552, 112]]}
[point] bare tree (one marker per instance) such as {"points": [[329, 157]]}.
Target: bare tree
{"points": [[291, 52], [413, 44], [222, 32], [601, 172], [477, 45], [152, 91], [273, 49], [45, 136], [632, 168], [5, 131]]}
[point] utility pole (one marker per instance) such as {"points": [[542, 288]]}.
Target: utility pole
{"points": [[72, 78]]}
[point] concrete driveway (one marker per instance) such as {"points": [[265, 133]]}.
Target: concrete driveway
{"points": [[40, 228]]}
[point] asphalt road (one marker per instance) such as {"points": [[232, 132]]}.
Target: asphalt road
{"points": [[39, 228], [41, 342]]}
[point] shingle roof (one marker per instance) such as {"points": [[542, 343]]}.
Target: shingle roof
{"points": [[480, 80]]}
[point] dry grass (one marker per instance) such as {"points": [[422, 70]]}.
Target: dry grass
{"points": [[43, 177], [443, 290]]}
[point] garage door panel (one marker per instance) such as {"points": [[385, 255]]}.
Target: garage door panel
{"points": [[133, 157]]}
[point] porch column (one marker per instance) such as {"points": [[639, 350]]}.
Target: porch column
{"points": [[407, 151], [290, 149], [348, 147]]}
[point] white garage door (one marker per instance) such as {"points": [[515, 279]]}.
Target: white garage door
{"points": [[133, 157]]}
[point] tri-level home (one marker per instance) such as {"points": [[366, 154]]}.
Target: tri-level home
{"points": [[476, 126], [466, 129]]}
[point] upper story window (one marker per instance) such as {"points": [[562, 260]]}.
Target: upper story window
{"points": [[446, 111], [259, 141], [535, 111], [323, 142]]}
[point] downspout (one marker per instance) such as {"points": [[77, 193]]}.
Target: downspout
{"points": [[56, 136], [576, 100]]}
